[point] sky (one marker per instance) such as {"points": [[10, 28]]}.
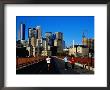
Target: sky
{"points": [[72, 27]]}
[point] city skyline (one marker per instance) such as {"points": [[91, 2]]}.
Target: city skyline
{"points": [[72, 27]]}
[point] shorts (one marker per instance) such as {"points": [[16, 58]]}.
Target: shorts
{"points": [[48, 61]]}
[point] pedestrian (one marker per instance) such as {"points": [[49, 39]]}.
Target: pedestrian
{"points": [[72, 62], [66, 62], [48, 62]]}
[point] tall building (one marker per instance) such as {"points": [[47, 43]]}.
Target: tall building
{"points": [[48, 35], [35, 32], [49, 38], [44, 44], [59, 35], [33, 41], [63, 43], [59, 41], [59, 45], [91, 43], [29, 36], [84, 40], [19, 36], [39, 33], [38, 36], [32, 36], [29, 32], [22, 31], [53, 36], [38, 42]]}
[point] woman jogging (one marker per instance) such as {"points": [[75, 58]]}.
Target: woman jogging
{"points": [[66, 63], [48, 62], [72, 62]]}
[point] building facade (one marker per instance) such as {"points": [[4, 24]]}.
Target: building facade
{"points": [[39, 33], [22, 31], [79, 50]]}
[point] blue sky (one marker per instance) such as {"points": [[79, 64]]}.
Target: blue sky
{"points": [[71, 26]]}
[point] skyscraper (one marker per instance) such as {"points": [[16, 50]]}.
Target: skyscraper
{"points": [[48, 35], [35, 32], [84, 40], [49, 38], [29, 36], [59, 35], [44, 44], [33, 41], [22, 31], [91, 43], [58, 42], [63, 43], [39, 34], [29, 32]]}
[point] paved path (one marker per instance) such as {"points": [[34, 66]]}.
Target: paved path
{"points": [[56, 67]]}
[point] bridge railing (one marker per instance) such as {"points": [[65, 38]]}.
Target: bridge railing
{"points": [[82, 60], [21, 61]]}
